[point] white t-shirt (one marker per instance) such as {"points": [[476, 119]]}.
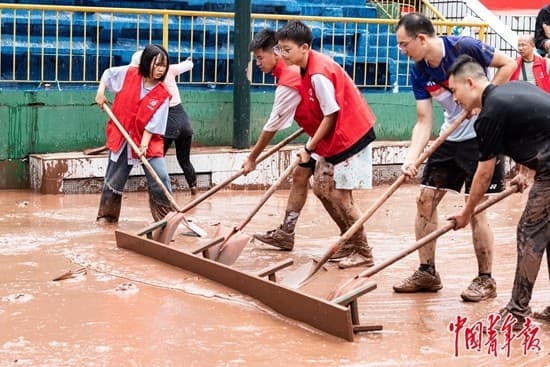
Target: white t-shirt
{"points": [[324, 90], [170, 81], [286, 101]]}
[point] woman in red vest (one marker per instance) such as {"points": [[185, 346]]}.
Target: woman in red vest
{"points": [[340, 124], [141, 105]]}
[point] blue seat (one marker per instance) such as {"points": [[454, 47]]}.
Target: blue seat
{"points": [[310, 9], [381, 39], [61, 54], [361, 11], [378, 71]]}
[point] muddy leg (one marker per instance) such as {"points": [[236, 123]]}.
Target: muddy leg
{"points": [[483, 239], [109, 206], [324, 188], [296, 197], [533, 236], [113, 187], [426, 221], [339, 204], [158, 202]]}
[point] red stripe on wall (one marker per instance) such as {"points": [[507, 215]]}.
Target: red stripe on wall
{"points": [[514, 4]]}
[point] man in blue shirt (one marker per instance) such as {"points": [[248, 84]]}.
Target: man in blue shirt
{"points": [[454, 163]]}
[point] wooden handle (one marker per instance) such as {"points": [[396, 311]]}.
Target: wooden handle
{"points": [[382, 199], [232, 178], [142, 158], [400, 180], [268, 193], [435, 234]]}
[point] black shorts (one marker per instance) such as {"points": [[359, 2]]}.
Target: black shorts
{"points": [[454, 164]]}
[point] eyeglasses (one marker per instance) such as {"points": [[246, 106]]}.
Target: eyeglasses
{"points": [[282, 51], [404, 44]]}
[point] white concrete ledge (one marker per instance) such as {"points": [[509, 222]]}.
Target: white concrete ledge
{"points": [[74, 172]]}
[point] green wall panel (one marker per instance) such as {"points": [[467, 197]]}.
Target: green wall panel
{"points": [[14, 174], [56, 121], [68, 120]]}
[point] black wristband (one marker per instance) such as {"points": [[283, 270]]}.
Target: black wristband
{"points": [[308, 151]]}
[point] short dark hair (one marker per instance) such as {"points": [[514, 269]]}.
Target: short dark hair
{"points": [[147, 58], [264, 39], [415, 24], [295, 31], [466, 66]]}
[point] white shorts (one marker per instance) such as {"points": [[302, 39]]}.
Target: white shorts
{"points": [[355, 172]]}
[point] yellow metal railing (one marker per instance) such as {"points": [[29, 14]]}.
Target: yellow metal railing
{"points": [[393, 9], [70, 44]]}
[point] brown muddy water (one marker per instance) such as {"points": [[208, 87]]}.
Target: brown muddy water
{"points": [[124, 309]]}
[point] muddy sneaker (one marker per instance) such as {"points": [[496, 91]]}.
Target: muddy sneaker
{"points": [[420, 281], [480, 289], [359, 257], [106, 220], [342, 252], [517, 322], [544, 315], [278, 238]]}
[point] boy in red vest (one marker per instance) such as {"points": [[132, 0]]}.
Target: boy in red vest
{"points": [[141, 105], [287, 99], [287, 96], [340, 124]]}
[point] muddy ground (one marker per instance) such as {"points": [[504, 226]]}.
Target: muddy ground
{"points": [[129, 310]]}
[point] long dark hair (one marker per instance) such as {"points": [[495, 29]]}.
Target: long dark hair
{"points": [[148, 56]]}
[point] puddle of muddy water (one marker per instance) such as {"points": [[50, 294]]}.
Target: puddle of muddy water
{"points": [[128, 310]]}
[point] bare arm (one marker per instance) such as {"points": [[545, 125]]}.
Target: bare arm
{"points": [[249, 164], [420, 136], [100, 98], [326, 126], [145, 139], [505, 65], [521, 178], [282, 114], [480, 183]]}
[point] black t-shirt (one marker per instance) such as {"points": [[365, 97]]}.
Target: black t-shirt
{"points": [[543, 17], [515, 121]]}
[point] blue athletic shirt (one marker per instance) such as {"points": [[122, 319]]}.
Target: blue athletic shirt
{"points": [[425, 80]]}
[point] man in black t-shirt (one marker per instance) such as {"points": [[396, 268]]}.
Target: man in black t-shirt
{"points": [[515, 121]]}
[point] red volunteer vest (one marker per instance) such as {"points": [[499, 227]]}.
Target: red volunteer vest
{"points": [[134, 114], [287, 75], [355, 117], [539, 71]]}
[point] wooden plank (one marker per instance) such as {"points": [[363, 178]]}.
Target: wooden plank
{"points": [[274, 268], [351, 296], [321, 314]]}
